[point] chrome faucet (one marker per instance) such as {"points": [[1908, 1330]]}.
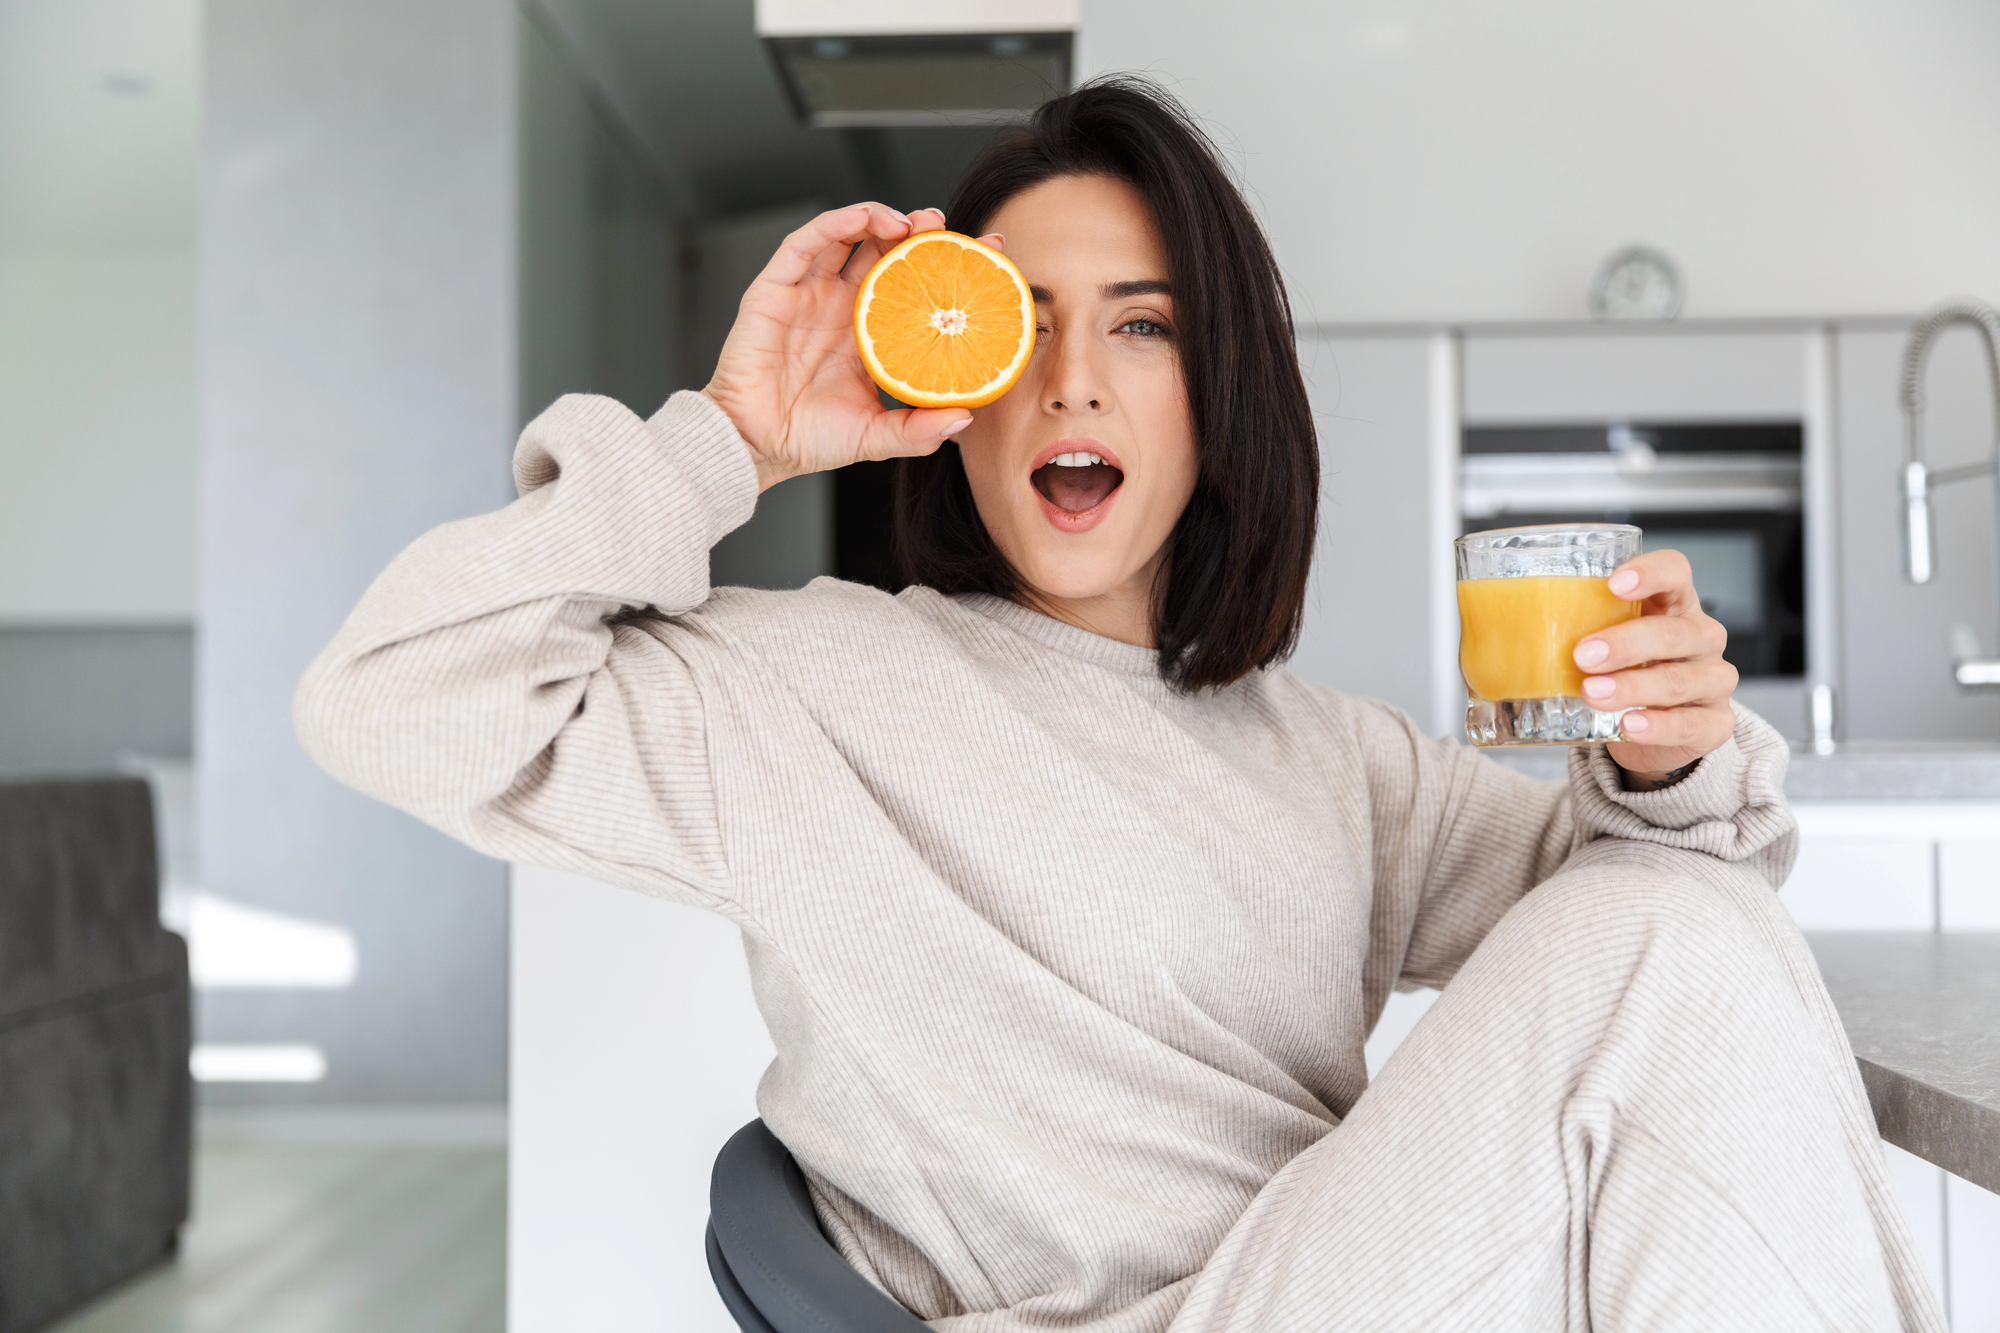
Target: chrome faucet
{"points": [[1970, 667]]}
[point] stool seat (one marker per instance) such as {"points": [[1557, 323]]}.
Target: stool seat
{"points": [[773, 1267]]}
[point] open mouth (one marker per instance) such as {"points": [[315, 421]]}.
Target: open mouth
{"points": [[1076, 482]]}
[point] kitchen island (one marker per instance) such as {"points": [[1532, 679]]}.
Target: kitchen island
{"points": [[1922, 1012], [1897, 771], [1855, 771]]}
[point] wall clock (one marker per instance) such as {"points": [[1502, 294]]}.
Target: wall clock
{"points": [[1637, 282]]}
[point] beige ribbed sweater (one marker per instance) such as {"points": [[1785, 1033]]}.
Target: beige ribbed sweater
{"points": [[1061, 966]]}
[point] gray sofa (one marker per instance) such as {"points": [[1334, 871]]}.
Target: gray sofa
{"points": [[95, 1099]]}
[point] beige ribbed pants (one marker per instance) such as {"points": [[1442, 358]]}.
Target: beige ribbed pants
{"points": [[1633, 1108]]}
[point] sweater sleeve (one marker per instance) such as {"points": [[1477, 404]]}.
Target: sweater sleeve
{"points": [[488, 680], [1460, 838]]}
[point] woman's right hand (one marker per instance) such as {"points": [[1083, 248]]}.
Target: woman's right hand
{"points": [[790, 377]]}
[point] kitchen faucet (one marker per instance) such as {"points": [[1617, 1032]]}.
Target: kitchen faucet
{"points": [[1970, 668]]}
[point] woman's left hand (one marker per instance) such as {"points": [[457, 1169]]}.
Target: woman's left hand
{"points": [[1668, 662]]}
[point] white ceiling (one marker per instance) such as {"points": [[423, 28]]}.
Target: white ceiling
{"points": [[98, 119], [693, 82]]}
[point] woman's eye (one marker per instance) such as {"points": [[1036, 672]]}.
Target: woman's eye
{"points": [[1145, 328]]}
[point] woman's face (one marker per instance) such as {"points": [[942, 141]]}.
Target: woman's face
{"points": [[1081, 471]]}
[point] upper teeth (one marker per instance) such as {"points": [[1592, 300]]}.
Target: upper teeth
{"points": [[1077, 460]]}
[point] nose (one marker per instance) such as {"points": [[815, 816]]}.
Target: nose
{"points": [[1073, 382]]}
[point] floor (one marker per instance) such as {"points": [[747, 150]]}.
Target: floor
{"points": [[293, 1238]]}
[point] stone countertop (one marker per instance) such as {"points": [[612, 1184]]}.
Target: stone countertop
{"points": [[1923, 1015], [1857, 771], [1897, 771]]}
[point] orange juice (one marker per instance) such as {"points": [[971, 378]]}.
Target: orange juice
{"points": [[1518, 636]]}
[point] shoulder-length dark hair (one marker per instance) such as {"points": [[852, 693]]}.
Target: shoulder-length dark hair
{"points": [[1233, 582]]}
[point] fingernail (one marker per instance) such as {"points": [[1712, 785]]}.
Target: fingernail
{"points": [[1592, 651], [1634, 724], [1599, 687], [1624, 581], [955, 427]]}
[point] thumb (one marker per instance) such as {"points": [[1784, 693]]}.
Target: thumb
{"points": [[913, 431]]}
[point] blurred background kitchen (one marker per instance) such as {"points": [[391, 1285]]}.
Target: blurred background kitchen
{"points": [[280, 282]]}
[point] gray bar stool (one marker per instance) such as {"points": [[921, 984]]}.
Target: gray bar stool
{"points": [[774, 1268]]}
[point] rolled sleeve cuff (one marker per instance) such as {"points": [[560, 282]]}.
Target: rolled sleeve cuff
{"points": [[622, 509], [713, 458], [1732, 806]]}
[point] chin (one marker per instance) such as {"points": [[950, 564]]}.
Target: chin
{"points": [[1071, 588], [1072, 576]]}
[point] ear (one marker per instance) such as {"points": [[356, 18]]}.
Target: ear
{"points": [[994, 239]]}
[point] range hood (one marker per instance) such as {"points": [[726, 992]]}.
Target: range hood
{"points": [[852, 63]]}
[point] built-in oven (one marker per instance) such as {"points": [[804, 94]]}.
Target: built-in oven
{"points": [[1726, 494]]}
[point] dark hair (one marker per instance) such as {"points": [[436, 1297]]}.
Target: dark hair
{"points": [[1233, 583]]}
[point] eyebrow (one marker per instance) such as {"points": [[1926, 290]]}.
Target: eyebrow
{"points": [[1115, 291]]}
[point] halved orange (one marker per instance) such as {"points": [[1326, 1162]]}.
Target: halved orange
{"points": [[943, 321]]}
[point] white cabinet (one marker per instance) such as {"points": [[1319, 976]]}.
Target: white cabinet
{"points": [[1972, 1216], [1968, 872], [1896, 865], [636, 1050], [1846, 883], [1616, 373]]}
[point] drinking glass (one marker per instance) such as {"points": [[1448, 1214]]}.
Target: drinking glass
{"points": [[1525, 598]]}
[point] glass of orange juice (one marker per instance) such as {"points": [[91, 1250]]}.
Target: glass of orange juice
{"points": [[1525, 597]]}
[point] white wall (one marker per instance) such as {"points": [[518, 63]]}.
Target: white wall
{"points": [[600, 247], [420, 225], [358, 387], [97, 166], [96, 435], [556, 125], [1367, 622], [1456, 160], [788, 542]]}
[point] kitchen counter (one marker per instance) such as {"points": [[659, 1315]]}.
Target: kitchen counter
{"points": [[1897, 771], [1857, 771], [1922, 1012]]}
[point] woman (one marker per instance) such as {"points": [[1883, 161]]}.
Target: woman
{"points": [[1070, 909]]}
